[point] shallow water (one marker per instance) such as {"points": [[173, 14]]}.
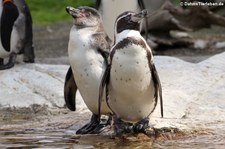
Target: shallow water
{"points": [[41, 138], [207, 141]]}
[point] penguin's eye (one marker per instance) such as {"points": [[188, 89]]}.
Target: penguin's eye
{"points": [[88, 14], [82, 13], [127, 18]]}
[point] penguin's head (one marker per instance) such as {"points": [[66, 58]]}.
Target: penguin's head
{"points": [[129, 21], [84, 16]]}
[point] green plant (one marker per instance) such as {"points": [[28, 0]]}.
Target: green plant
{"points": [[51, 11]]}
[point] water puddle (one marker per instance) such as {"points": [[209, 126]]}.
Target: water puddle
{"points": [[40, 138], [35, 139]]}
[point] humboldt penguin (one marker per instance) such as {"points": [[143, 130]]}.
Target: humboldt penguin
{"points": [[110, 9], [28, 47], [132, 81], [88, 49], [15, 32]]}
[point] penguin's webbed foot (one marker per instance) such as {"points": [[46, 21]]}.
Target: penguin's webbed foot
{"points": [[94, 127], [1, 61], [6, 66], [10, 64], [141, 125], [122, 127], [126, 127]]}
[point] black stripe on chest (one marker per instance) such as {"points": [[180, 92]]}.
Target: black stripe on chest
{"points": [[126, 42]]}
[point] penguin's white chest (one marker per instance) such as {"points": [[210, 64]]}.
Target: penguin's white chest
{"points": [[13, 44], [88, 67], [131, 89]]}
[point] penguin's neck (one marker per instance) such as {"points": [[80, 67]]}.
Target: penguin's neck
{"points": [[125, 34], [80, 46], [80, 38], [85, 30]]}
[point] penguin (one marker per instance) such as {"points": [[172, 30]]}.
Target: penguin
{"points": [[88, 49], [132, 85], [9, 35], [110, 9], [15, 32], [28, 47]]}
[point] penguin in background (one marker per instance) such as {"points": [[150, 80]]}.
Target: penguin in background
{"points": [[110, 9], [28, 48], [88, 50], [15, 32], [131, 79]]}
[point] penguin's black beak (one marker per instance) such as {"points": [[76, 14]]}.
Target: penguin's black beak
{"points": [[139, 16], [72, 11]]}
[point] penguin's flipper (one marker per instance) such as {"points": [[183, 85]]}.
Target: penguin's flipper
{"points": [[158, 85], [95, 126], [102, 46], [10, 64], [9, 15], [103, 83], [70, 89]]}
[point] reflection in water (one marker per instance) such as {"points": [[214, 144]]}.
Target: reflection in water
{"points": [[67, 139]]}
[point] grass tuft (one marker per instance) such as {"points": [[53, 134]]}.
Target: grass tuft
{"points": [[52, 11]]}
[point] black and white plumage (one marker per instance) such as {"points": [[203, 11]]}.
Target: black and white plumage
{"points": [[133, 83], [15, 32], [88, 50], [110, 9], [27, 29]]}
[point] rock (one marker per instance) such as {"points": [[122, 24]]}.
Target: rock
{"points": [[193, 93], [152, 45], [28, 84], [219, 45], [200, 44], [179, 34]]}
